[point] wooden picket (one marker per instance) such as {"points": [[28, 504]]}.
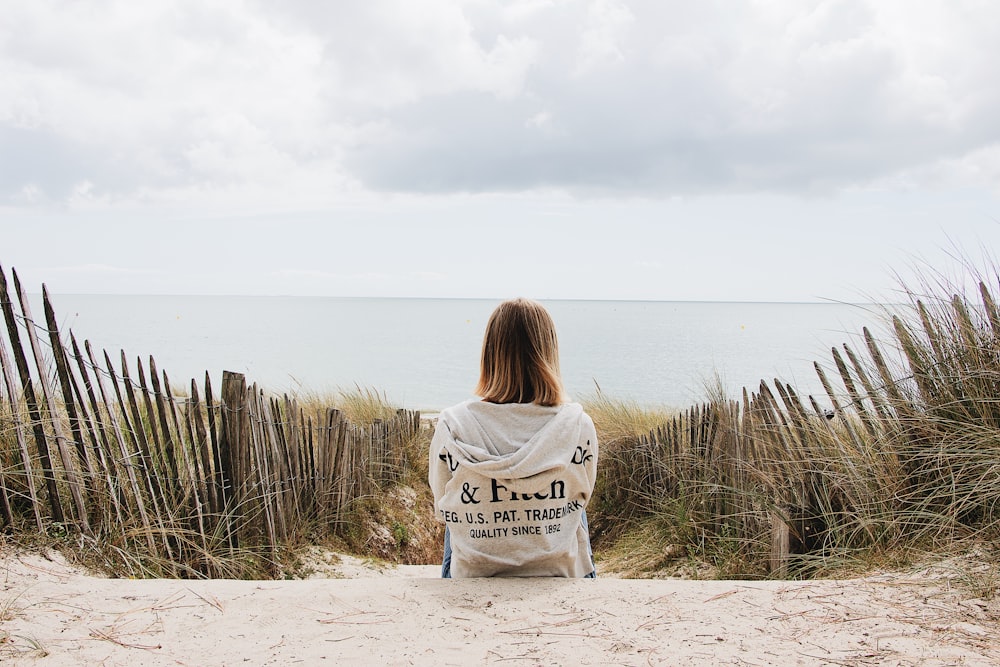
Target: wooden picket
{"points": [[175, 473], [84, 445], [758, 470]]}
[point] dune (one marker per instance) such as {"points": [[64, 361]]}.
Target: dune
{"points": [[52, 613]]}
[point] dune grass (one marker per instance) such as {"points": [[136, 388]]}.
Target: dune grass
{"points": [[173, 530], [901, 457]]}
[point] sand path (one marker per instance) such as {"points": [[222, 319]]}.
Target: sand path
{"points": [[54, 614]]}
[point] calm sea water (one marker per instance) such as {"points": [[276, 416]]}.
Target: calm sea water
{"points": [[424, 353]]}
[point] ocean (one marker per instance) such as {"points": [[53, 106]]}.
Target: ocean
{"points": [[424, 353]]}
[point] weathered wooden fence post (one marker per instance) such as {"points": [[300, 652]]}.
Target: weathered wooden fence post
{"points": [[780, 546], [7, 370], [28, 391], [233, 441], [73, 479]]}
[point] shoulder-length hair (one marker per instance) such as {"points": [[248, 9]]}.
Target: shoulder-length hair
{"points": [[520, 360]]}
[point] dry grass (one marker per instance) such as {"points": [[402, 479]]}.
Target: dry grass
{"points": [[621, 420], [902, 456], [15, 646], [360, 405], [171, 531]]}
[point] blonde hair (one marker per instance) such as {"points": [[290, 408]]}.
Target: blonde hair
{"points": [[520, 360]]}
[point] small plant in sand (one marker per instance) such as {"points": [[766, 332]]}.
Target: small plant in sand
{"points": [[16, 646]]}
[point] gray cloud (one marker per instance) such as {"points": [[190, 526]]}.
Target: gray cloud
{"points": [[606, 96], [692, 106]]}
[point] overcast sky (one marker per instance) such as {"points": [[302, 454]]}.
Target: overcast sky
{"points": [[639, 149]]}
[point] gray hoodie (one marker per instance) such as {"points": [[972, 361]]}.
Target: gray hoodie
{"points": [[511, 482]]}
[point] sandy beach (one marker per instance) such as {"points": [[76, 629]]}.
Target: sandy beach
{"points": [[362, 613]]}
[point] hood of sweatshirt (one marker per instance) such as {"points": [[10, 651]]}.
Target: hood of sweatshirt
{"points": [[513, 440]]}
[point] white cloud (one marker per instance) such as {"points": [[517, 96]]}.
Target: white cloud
{"points": [[540, 120], [603, 36]]}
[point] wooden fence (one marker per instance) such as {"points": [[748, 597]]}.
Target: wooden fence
{"points": [[900, 447], [109, 450], [771, 464]]}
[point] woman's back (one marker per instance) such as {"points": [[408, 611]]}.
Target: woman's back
{"points": [[512, 473], [511, 481]]}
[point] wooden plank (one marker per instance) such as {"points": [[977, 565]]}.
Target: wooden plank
{"points": [[169, 448], [5, 507], [837, 409], [337, 463], [284, 427], [260, 464], [779, 421], [166, 478], [934, 335], [276, 469], [232, 439], [990, 306], [200, 447], [300, 486], [967, 329], [217, 478], [63, 373], [163, 510], [323, 450], [7, 370], [919, 367], [856, 399], [100, 443], [311, 469], [137, 432], [111, 462], [882, 409], [103, 462], [188, 458], [780, 546], [888, 382], [28, 392], [796, 414], [128, 460], [73, 480], [821, 415], [782, 458]]}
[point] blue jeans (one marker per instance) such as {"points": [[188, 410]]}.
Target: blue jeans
{"points": [[446, 561]]}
